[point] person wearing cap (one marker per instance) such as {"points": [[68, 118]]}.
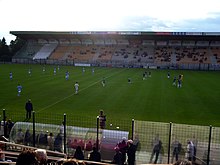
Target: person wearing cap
{"points": [[28, 108], [131, 152]]}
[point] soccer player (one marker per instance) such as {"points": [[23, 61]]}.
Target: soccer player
{"points": [[44, 69], [11, 75], [182, 77], [174, 81], [67, 75], [144, 76], [129, 80], [83, 70], [103, 82], [93, 71], [19, 88], [76, 87], [149, 74], [29, 71], [55, 71], [179, 85], [168, 74]]}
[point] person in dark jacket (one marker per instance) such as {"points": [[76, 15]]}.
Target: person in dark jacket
{"points": [[131, 152], [117, 159], [28, 108], [95, 155], [78, 153]]}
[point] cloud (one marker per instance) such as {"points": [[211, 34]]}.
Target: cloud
{"points": [[106, 15]]}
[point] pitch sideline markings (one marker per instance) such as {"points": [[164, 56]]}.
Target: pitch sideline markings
{"points": [[74, 93]]}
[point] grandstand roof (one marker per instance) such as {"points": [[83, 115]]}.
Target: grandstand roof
{"points": [[209, 36]]}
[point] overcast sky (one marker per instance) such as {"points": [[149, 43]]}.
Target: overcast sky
{"points": [[109, 15]]}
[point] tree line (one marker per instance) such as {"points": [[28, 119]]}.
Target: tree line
{"points": [[8, 51]]}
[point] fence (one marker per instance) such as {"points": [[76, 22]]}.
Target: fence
{"points": [[86, 132], [111, 63]]}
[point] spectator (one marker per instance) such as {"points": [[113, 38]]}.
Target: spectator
{"points": [[41, 155], [42, 139], [78, 153], [157, 146], [190, 150], [131, 152], [74, 144], [58, 143], [117, 159], [28, 108], [20, 136], [2, 157], [89, 146], [27, 157], [176, 147], [123, 147], [95, 155], [9, 126], [50, 141], [27, 137], [102, 119], [2, 128]]}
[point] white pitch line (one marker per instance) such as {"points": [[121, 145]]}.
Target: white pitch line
{"points": [[74, 93]]}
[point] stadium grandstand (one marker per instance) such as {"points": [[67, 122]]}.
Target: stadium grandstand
{"points": [[178, 50]]}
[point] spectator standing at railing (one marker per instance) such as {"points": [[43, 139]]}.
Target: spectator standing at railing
{"points": [[157, 146], [176, 148], [123, 148], [117, 159], [190, 150], [131, 152]]}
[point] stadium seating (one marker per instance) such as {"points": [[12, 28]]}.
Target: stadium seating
{"points": [[216, 53], [81, 52], [193, 55], [28, 51], [123, 51], [45, 51], [59, 52]]}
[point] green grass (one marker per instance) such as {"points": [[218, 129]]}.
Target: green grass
{"points": [[154, 99]]}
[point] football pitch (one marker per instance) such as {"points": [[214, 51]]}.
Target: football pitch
{"points": [[152, 99]]}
